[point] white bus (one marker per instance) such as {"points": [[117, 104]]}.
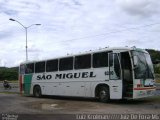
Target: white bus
{"points": [[110, 73]]}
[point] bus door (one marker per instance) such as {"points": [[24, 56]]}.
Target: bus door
{"points": [[115, 76], [127, 74]]}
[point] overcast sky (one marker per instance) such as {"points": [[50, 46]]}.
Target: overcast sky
{"points": [[73, 26]]}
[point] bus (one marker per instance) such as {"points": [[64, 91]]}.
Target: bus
{"points": [[109, 73]]}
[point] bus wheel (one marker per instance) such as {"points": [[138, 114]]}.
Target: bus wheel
{"points": [[104, 95], [37, 92]]}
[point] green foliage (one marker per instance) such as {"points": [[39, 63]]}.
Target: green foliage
{"points": [[157, 69], [155, 56], [8, 73]]}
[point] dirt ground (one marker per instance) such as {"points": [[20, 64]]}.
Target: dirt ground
{"points": [[14, 105], [17, 104]]}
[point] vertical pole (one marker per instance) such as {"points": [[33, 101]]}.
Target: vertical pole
{"points": [[26, 34], [26, 45]]}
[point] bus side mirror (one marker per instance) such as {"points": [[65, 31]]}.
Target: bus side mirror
{"points": [[135, 60]]}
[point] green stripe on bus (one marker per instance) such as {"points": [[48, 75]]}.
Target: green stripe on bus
{"points": [[27, 83]]}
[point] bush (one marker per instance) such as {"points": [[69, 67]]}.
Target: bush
{"points": [[8, 74], [157, 69]]}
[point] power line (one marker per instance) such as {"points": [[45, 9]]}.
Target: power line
{"points": [[108, 33]]}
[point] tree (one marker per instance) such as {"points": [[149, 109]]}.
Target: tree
{"points": [[155, 55], [8, 73]]}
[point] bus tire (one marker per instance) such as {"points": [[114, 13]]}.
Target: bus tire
{"points": [[103, 94], [37, 92]]}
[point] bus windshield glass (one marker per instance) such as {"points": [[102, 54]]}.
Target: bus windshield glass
{"points": [[144, 67]]}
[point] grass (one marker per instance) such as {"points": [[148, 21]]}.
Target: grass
{"points": [[9, 92], [158, 81], [154, 98], [157, 78], [12, 81]]}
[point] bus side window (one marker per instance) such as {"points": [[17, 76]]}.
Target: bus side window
{"points": [[39, 67], [66, 64], [29, 68], [22, 69], [52, 65], [82, 62], [100, 60]]}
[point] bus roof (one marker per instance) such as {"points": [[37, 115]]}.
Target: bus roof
{"points": [[115, 49]]}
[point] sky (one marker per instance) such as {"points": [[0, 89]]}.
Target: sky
{"points": [[74, 26]]}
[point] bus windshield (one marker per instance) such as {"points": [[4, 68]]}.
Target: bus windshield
{"points": [[144, 68]]}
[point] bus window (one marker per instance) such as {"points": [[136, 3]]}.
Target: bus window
{"points": [[100, 59], [66, 64], [52, 65], [22, 69], [29, 68], [39, 67], [82, 62]]}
